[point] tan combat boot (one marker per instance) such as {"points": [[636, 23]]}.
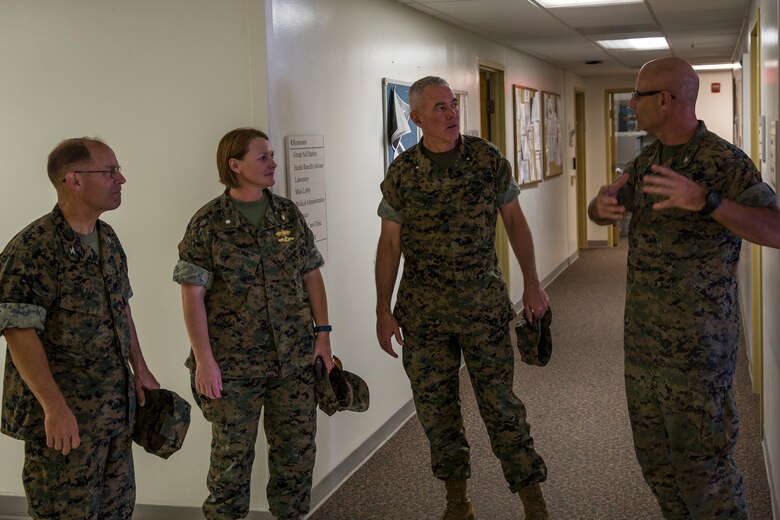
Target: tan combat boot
{"points": [[459, 507], [533, 503]]}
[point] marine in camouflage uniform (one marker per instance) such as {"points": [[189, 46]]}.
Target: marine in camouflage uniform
{"points": [[682, 321], [452, 299], [260, 334], [76, 301]]}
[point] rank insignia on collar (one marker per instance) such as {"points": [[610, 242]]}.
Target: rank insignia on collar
{"points": [[284, 236]]}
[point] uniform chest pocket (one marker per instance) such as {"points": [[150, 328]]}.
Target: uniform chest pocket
{"points": [[237, 268], [292, 256], [81, 328]]}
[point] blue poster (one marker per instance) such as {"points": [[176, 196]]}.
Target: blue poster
{"points": [[400, 132]]}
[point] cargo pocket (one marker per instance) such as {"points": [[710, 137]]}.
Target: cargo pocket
{"points": [[720, 422]]}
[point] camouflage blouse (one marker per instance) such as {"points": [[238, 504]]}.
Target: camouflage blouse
{"points": [[52, 282], [259, 319], [682, 306], [451, 278]]}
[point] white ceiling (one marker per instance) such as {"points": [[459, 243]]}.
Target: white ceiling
{"points": [[700, 31]]}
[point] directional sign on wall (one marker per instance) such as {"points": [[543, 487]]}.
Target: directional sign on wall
{"points": [[306, 181]]}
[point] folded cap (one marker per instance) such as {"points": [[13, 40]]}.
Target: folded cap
{"points": [[340, 390], [162, 422], [533, 340]]}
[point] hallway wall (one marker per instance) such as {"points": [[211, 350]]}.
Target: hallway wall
{"points": [[770, 108]]}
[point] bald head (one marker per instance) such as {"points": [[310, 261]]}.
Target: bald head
{"points": [[675, 75]]}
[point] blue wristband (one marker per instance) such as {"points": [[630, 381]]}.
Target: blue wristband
{"points": [[322, 328]]}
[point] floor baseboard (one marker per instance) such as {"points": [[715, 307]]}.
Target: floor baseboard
{"points": [[773, 491], [327, 486]]}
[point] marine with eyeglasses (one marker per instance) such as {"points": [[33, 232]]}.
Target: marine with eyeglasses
{"points": [[693, 198], [74, 369]]}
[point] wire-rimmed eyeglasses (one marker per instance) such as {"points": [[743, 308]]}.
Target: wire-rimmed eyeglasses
{"points": [[114, 172]]}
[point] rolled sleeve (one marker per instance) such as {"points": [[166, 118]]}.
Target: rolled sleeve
{"points": [[758, 195], [507, 188], [314, 260], [387, 212], [191, 274], [21, 316]]}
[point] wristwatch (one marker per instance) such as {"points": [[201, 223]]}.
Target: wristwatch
{"points": [[711, 203]]}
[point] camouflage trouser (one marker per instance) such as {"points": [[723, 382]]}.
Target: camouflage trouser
{"points": [[432, 362], [290, 424], [684, 436], [94, 481]]}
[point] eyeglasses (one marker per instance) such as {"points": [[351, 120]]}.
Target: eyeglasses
{"points": [[114, 172], [636, 94]]}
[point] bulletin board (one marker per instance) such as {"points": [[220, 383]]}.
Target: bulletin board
{"points": [[552, 121], [528, 135]]}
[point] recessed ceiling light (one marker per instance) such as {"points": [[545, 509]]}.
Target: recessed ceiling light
{"points": [[718, 66], [583, 3], [635, 44]]}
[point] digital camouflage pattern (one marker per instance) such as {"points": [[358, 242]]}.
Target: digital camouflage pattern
{"points": [[452, 299], [533, 340], [103, 469], [162, 422], [262, 337], [259, 318], [682, 327], [339, 390], [451, 274], [290, 424], [432, 362], [52, 281]]}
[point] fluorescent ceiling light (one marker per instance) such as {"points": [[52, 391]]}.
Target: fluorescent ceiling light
{"points": [[583, 3], [718, 66], [635, 44]]}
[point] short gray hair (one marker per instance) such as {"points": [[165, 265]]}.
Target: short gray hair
{"points": [[415, 91]]}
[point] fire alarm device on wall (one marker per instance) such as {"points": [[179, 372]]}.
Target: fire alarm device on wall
{"points": [[715, 87]]}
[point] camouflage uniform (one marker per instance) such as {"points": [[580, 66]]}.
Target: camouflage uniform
{"points": [[51, 281], [682, 327], [261, 333], [452, 299]]}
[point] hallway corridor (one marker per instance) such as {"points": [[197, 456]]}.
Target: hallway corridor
{"points": [[577, 411]]}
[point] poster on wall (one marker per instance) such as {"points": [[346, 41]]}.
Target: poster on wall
{"points": [[400, 132]]}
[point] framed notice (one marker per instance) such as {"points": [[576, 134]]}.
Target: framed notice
{"points": [[552, 121], [528, 135]]}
